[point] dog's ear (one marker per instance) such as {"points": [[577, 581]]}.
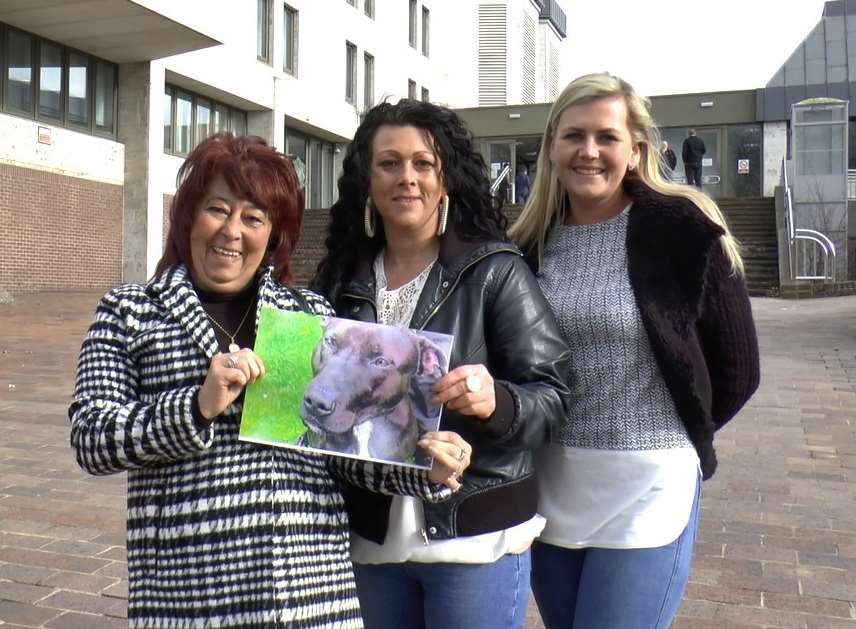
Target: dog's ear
{"points": [[431, 359]]}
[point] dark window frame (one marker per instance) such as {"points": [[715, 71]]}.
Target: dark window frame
{"points": [[426, 30], [411, 89], [265, 55], [174, 91], [63, 121], [291, 40], [368, 80], [351, 78], [369, 8], [411, 25], [426, 95]]}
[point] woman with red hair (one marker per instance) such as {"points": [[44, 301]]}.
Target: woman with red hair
{"points": [[222, 533]]}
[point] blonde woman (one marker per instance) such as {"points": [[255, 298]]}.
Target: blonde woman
{"points": [[647, 285]]}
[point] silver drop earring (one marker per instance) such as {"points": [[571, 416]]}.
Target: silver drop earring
{"points": [[368, 223], [444, 215]]}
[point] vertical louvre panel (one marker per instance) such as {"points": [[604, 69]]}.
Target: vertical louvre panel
{"points": [[492, 54], [553, 73], [530, 37]]}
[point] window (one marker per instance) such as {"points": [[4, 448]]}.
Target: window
{"points": [[426, 26], [368, 7], [412, 25], [263, 29], [411, 88], [46, 81], [350, 72], [368, 81], [289, 37], [190, 118], [313, 162], [78, 88], [168, 97], [426, 97], [50, 80], [19, 73], [105, 96]]}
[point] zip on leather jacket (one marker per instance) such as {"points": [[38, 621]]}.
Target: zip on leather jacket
{"points": [[485, 295]]}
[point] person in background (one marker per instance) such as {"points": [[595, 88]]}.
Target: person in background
{"points": [[416, 239], [647, 285], [670, 160], [222, 533], [692, 152], [521, 184]]}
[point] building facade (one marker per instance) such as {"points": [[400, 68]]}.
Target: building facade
{"points": [[101, 102]]}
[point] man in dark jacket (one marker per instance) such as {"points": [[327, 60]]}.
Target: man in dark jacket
{"points": [[692, 152], [670, 159]]}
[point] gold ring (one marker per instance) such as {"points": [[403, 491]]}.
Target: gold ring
{"points": [[474, 384]]}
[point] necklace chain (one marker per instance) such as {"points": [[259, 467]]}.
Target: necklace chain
{"points": [[233, 347]]}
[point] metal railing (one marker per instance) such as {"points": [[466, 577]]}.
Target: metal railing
{"points": [[503, 174], [797, 235]]}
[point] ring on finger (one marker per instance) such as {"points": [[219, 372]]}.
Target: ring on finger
{"points": [[473, 384], [231, 361], [461, 454]]}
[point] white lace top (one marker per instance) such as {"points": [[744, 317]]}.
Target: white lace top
{"points": [[396, 307]]}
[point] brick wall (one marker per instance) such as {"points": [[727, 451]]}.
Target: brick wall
{"points": [[310, 247], [167, 200], [58, 232]]}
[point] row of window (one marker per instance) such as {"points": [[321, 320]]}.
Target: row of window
{"points": [[368, 79], [368, 6], [426, 26], [47, 81], [190, 118]]}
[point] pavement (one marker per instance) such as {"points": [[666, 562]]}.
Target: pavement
{"points": [[777, 538]]}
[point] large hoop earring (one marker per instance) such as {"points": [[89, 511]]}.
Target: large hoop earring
{"points": [[444, 215], [368, 222]]}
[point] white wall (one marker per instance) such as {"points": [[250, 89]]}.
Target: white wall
{"points": [[69, 153]]}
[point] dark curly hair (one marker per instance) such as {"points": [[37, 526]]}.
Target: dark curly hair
{"points": [[474, 212]]}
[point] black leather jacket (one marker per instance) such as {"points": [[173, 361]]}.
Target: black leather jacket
{"points": [[486, 296]]}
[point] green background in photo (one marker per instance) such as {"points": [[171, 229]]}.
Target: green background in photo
{"points": [[285, 342]]}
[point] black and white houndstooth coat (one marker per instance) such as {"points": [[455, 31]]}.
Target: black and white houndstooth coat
{"points": [[221, 533]]}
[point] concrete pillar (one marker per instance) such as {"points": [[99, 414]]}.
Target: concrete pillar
{"points": [[141, 89]]}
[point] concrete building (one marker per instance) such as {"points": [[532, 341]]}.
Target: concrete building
{"points": [[101, 101]]}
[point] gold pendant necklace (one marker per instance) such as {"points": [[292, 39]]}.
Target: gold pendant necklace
{"points": [[233, 346]]}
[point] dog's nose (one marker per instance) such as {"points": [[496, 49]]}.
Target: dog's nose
{"points": [[318, 406]]}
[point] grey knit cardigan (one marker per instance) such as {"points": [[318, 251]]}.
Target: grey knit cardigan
{"points": [[221, 533]]}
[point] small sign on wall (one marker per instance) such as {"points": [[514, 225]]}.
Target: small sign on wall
{"points": [[742, 166], [45, 135], [707, 161]]}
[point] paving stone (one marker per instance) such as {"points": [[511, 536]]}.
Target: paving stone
{"points": [[86, 621], [25, 614], [22, 592]]}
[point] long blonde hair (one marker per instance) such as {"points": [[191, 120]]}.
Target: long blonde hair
{"points": [[547, 201]]}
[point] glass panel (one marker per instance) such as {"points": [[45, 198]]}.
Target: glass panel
{"points": [[426, 22], [262, 20], [350, 72], [78, 88], [368, 81], [500, 170], [105, 104], [50, 80], [19, 77], [183, 117], [425, 95], [412, 25], [238, 122], [290, 41], [369, 7], [744, 161], [411, 89], [316, 175], [327, 177], [203, 119], [221, 118], [167, 120], [296, 149]]}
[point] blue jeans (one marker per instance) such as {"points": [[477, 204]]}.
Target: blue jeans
{"points": [[445, 595], [602, 588]]}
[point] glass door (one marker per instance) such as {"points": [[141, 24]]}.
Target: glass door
{"points": [[501, 162]]}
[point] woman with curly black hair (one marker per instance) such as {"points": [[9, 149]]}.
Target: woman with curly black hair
{"points": [[417, 240]]}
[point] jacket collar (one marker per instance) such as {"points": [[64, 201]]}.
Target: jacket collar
{"points": [[175, 290]]}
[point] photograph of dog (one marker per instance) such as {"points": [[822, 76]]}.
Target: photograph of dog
{"points": [[371, 388]]}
